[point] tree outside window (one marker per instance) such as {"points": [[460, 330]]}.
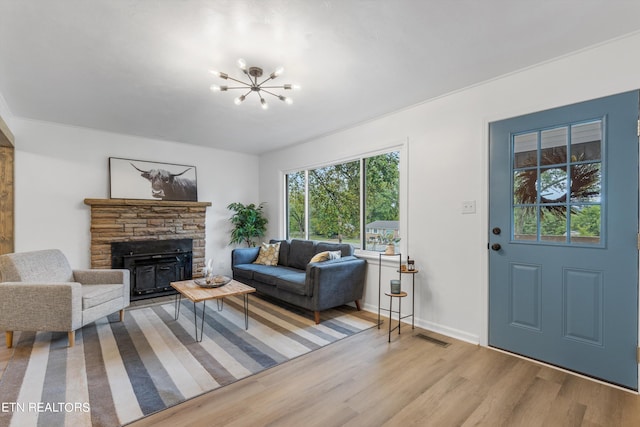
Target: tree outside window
{"points": [[335, 193]]}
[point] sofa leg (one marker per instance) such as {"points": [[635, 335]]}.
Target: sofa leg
{"points": [[358, 305], [122, 315], [72, 338], [316, 316], [9, 338]]}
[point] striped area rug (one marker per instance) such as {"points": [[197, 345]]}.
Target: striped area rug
{"points": [[118, 372]]}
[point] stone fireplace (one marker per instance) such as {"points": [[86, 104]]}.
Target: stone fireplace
{"points": [[117, 222]]}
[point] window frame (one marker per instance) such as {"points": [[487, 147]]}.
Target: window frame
{"points": [[401, 148]]}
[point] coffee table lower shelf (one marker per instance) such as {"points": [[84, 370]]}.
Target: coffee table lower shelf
{"points": [[194, 293]]}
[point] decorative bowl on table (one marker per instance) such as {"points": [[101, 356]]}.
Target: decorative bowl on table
{"points": [[212, 281]]}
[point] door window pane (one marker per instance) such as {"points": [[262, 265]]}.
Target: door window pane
{"points": [[586, 182], [553, 223], [525, 187], [525, 148], [525, 223], [585, 224], [553, 185], [586, 141], [554, 146]]}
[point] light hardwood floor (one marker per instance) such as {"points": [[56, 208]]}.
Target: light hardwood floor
{"points": [[365, 381]]}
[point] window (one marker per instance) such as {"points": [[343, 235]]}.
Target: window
{"points": [[557, 184], [355, 202]]}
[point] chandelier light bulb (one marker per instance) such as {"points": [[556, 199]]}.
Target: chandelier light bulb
{"points": [[239, 99], [242, 64], [219, 74], [264, 103]]}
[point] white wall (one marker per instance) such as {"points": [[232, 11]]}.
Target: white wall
{"points": [[5, 112], [57, 167], [447, 164]]}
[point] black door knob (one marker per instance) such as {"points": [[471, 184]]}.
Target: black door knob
{"points": [[496, 231], [496, 246]]}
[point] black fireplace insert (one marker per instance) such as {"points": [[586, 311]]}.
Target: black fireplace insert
{"points": [[154, 264]]}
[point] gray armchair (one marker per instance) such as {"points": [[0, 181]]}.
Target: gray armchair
{"points": [[40, 292]]}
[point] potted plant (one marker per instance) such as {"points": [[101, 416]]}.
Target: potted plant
{"points": [[390, 240], [248, 222]]}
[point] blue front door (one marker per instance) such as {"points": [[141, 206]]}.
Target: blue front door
{"points": [[563, 237]]}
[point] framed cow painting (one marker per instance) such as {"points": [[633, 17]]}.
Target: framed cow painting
{"points": [[140, 179]]}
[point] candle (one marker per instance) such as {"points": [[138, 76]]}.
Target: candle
{"points": [[395, 286]]}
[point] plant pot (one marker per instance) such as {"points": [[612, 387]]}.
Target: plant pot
{"points": [[391, 249]]}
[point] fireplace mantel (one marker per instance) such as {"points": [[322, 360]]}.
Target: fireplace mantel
{"points": [[130, 220], [135, 202]]}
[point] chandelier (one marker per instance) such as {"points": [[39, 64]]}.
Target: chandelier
{"points": [[254, 85]]}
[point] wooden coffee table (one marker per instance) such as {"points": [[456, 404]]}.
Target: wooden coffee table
{"points": [[190, 290]]}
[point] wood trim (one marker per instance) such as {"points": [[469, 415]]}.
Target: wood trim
{"points": [[7, 203], [136, 202], [6, 137]]}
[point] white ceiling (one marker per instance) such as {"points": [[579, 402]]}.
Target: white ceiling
{"points": [[140, 67]]}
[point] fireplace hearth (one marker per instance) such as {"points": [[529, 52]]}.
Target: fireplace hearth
{"points": [[153, 264]]}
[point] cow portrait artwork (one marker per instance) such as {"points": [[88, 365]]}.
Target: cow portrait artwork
{"points": [[140, 179], [170, 186]]}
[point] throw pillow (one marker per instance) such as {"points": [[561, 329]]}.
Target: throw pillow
{"points": [[325, 256], [268, 254], [319, 257]]}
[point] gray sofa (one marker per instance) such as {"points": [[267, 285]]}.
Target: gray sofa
{"points": [[40, 292], [314, 286]]}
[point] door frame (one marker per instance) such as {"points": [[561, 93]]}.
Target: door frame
{"points": [[484, 219]]}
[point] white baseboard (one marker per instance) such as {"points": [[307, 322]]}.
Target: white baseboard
{"points": [[432, 326]]}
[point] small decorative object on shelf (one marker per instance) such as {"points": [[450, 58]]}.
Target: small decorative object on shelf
{"points": [[395, 286], [411, 265]]}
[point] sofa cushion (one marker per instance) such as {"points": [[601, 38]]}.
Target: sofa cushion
{"points": [[269, 253], [94, 295], [293, 282], [262, 273], [300, 253]]}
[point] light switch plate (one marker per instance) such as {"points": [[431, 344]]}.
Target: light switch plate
{"points": [[469, 207]]}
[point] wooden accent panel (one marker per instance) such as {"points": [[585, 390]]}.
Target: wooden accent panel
{"points": [[127, 220], [6, 137], [6, 200]]}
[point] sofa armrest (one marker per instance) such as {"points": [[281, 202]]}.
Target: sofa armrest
{"points": [[29, 306], [336, 282], [244, 255]]}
